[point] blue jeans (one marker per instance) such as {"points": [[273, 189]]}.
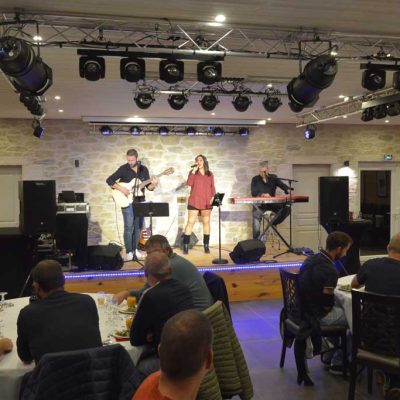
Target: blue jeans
{"points": [[132, 227]]}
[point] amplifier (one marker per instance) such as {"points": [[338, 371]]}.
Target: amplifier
{"points": [[72, 208]]}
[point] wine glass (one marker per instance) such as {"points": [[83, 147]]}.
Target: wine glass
{"points": [[2, 299]]}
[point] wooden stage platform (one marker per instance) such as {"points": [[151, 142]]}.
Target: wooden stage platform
{"points": [[255, 281]]}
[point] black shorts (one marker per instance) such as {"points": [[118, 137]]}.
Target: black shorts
{"points": [[189, 207]]}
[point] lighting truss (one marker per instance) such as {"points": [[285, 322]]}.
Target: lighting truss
{"points": [[353, 106], [155, 35]]}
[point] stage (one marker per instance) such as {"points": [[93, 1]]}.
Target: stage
{"points": [[250, 281]]}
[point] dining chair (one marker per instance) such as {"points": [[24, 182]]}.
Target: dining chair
{"points": [[376, 335], [292, 324]]}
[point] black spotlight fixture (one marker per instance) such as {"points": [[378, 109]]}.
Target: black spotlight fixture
{"points": [[38, 130], [393, 109], [135, 130], [190, 131], [144, 100], [106, 130], [241, 102], [367, 114], [218, 131], [209, 72], [163, 130], [177, 101], [373, 79], [92, 68], [318, 74], [380, 111], [25, 70], [271, 103], [310, 132], [132, 69], [209, 102], [31, 103], [171, 71], [244, 132]]}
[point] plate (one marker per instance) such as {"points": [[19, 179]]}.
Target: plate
{"points": [[345, 288], [120, 338], [127, 310]]}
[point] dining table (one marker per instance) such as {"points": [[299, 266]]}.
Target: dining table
{"points": [[343, 298], [12, 369]]}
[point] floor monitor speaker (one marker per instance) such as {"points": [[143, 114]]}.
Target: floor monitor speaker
{"points": [[248, 251]]}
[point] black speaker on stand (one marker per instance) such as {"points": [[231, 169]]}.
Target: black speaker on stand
{"points": [[333, 200]]}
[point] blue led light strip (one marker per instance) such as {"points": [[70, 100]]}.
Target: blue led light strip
{"points": [[127, 274]]}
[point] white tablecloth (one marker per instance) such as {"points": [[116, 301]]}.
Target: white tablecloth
{"points": [[344, 299], [12, 368]]}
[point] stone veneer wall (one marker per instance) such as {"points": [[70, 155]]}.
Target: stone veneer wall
{"points": [[234, 160]]}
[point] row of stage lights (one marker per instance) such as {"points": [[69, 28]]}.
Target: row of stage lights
{"points": [[107, 130]]}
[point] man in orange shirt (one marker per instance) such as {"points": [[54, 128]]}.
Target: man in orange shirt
{"points": [[185, 357]]}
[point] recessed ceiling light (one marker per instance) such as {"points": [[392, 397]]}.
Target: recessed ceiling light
{"points": [[341, 96], [346, 98], [214, 24], [269, 85], [57, 97], [220, 18], [212, 113], [334, 53], [344, 116], [60, 111], [387, 121], [269, 119], [37, 38]]}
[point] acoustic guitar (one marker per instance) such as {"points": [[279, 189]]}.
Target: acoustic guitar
{"points": [[123, 201]]}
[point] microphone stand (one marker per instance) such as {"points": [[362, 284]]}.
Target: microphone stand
{"points": [[218, 202], [290, 247]]}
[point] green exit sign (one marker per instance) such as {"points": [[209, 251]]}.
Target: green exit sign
{"points": [[388, 157]]}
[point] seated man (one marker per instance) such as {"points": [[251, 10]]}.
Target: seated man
{"points": [[318, 278], [58, 321], [6, 346], [185, 357], [182, 270], [382, 276], [165, 298]]}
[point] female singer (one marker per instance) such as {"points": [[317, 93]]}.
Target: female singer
{"points": [[201, 181]]}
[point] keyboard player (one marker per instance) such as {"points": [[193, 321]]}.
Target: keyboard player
{"points": [[264, 185]]}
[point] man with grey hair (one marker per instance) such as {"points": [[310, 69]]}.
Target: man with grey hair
{"points": [[165, 298], [264, 185]]}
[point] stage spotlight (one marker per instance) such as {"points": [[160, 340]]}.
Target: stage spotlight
{"points": [[31, 103], [38, 130], [244, 132], [144, 100], [393, 109], [271, 104], [310, 132], [135, 130], [218, 131], [241, 102], [106, 130], [190, 131], [380, 111], [171, 71], [25, 70], [318, 74], [92, 68], [373, 79], [177, 101], [132, 69], [367, 114], [163, 130], [209, 102], [209, 72]]}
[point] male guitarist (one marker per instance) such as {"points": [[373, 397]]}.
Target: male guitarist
{"points": [[133, 171]]}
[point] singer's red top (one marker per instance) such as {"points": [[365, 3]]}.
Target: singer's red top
{"points": [[202, 190]]}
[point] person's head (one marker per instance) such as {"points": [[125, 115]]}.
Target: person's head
{"points": [[202, 162], [158, 243], [157, 268], [47, 277], [186, 346], [338, 244], [393, 248], [263, 168], [132, 156]]}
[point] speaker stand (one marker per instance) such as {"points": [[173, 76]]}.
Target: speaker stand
{"points": [[218, 202]]}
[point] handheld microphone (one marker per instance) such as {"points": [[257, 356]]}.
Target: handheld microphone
{"points": [[194, 165]]}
